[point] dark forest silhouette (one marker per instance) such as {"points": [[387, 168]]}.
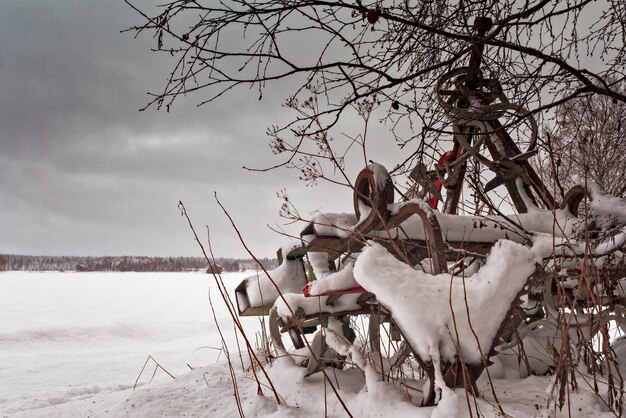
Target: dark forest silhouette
{"points": [[123, 263]]}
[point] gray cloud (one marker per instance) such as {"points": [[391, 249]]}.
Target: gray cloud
{"points": [[83, 172]]}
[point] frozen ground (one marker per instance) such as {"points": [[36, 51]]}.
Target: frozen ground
{"points": [[71, 336], [72, 345]]}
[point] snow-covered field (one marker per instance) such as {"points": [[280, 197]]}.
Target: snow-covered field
{"points": [[66, 337], [73, 344]]}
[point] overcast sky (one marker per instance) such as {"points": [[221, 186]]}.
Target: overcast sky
{"points": [[83, 172]]}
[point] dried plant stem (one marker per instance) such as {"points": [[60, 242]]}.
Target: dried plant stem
{"points": [[158, 366], [222, 288], [482, 354], [326, 377], [233, 377], [231, 311], [459, 351]]}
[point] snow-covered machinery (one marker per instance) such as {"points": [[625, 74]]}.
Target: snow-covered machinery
{"points": [[447, 289]]}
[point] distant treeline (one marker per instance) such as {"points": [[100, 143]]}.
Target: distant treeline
{"points": [[125, 263]]}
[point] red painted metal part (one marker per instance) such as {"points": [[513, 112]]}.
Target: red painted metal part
{"points": [[307, 291], [447, 157]]}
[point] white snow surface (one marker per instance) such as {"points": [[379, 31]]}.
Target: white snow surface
{"points": [[482, 229], [290, 302], [559, 223], [72, 337], [289, 277], [606, 205], [381, 176], [342, 279], [432, 310], [72, 345], [334, 224], [319, 262]]}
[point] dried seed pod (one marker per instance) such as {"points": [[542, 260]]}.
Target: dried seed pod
{"points": [[372, 16]]}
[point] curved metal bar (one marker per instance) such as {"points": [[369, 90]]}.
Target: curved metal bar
{"points": [[375, 196], [523, 114], [481, 120], [275, 332], [573, 198], [434, 237], [479, 114], [471, 150], [447, 107], [460, 72]]}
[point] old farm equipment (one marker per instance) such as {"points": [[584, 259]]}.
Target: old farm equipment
{"points": [[506, 272]]}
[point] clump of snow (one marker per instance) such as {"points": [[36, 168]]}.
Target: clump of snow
{"points": [[538, 359], [364, 210], [539, 339], [559, 223], [363, 396], [394, 208], [263, 289], [381, 180], [319, 262], [340, 280], [486, 229], [432, 310], [447, 399], [381, 176], [334, 224], [615, 241], [314, 305], [547, 245], [605, 205]]}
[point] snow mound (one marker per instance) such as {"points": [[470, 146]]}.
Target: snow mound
{"points": [[439, 312]]}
